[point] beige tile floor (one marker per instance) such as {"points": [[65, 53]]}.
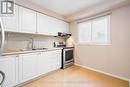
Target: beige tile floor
{"points": [[77, 77]]}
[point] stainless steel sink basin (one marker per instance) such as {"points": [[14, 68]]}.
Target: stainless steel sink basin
{"points": [[39, 49]]}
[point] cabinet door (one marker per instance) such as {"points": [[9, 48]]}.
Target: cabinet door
{"points": [[56, 59], [59, 52], [27, 66], [8, 66], [11, 22], [41, 63], [27, 20], [50, 26], [49, 61], [44, 24], [44, 63], [61, 26], [65, 27]]}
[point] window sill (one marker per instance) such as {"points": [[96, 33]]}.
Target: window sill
{"points": [[94, 44]]}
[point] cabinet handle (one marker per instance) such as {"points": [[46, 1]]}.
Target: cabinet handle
{"points": [[3, 77], [39, 53], [17, 55]]}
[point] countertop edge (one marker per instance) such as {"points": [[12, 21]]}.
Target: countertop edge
{"points": [[34, 51]]}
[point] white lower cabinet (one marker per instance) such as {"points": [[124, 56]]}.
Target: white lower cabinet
{"points": [[35, 64], [27, 67], [8, 65], [49, 61], [43, 63], [55, 59], [19, 69]]}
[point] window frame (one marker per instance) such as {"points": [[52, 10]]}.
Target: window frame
{"points": [[96, 43]]}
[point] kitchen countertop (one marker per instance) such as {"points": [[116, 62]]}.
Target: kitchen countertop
{"points": [[28, 51]]}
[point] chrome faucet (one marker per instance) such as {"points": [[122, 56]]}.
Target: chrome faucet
{"points": [[31, 44]]}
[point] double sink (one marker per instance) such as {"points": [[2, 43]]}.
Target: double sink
{"points": [[31, 50], [39, 48]]}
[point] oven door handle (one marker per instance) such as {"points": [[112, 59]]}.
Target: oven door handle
{"points": [[2, 37], [3, 77]]}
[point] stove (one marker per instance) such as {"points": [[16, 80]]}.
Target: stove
{"points": [[67, 54]]}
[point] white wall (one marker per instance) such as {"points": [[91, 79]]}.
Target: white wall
{"points": [[114, 58]]}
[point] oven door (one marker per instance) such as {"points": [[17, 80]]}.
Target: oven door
{"points": [[68, 55]]}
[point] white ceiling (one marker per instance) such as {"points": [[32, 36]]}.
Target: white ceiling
{"points": [[66, 7]]}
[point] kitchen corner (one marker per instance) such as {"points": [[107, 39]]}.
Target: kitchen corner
{"points": [[28, 54], [27, 45]]}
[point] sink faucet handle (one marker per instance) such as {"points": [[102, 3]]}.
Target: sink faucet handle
{"points": [[31, 44]]}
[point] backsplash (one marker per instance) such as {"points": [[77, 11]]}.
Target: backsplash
{"points": [[15, 41]]}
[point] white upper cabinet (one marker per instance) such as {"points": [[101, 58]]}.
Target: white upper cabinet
{"points": [[62, 26], [50, 26], [27, 20], [11, 23], [44, 24]]}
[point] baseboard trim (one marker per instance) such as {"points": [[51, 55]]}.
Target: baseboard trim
{"points": [[119, 77], [129, 83], [34, 79]]}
